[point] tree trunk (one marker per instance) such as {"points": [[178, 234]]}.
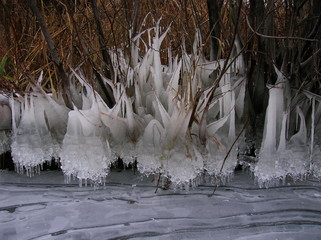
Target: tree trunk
{"points": [[53, 52], [108, 69], [256, 68], [214, 8], [270, 50]]}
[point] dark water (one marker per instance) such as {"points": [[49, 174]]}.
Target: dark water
{"points": [[44, 207]]}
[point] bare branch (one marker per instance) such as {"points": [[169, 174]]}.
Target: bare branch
{"points": [[277, 37], [228, 154], [53, 52], [109, 71]]}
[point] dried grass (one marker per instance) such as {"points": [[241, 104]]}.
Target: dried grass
{"points": [[24, 42]]}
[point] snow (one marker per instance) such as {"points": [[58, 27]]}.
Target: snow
{"points": [[127, 207]]}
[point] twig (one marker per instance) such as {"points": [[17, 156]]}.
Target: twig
{"points": [[278, 37], [226, 156], [158, 180], [53, 51], [226, 65], [108, 70], [102, 42]]}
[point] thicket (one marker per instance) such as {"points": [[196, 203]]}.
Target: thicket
{"points": [[281, 32]]}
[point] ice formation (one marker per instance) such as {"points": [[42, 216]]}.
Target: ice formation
{"points": [[85, 153], [38, 135], [5, 124], [282, 155], [315, 140], [26, 148], [172, 119]]}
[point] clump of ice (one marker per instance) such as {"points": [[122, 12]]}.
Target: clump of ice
{"points": [[315, 136], [316, 162], [50, 125], [85, 150], [281, 157], [123, 125], [169, 146], [150, 146], [38, 133], [26, 147], [187, 156], [161, 118]]}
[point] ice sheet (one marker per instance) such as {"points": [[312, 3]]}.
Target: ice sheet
{"points": [[43, 208]]}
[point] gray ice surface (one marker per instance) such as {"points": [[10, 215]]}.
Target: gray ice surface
{"points": [[44, 207]]}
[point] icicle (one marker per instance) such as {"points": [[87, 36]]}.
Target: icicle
{"points": [[164, 115], [213, 127], [221, 107], [179, 120], [297, 121], [273, 120], [172, 88], [84, 152], [232, 134], [239, 102], [157, 67], [156, 70], [282, 143], [131, 123], [138, 97], [134, 49], [239, 62], [170, 60], [27, 146], [149, 37], [300, 138], [13, 112], [312, 128], [39, 81]]}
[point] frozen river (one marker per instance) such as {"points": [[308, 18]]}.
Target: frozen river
{"points": [[44, 207]]}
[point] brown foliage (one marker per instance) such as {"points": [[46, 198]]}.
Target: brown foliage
{"points": [[72, 27]]}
